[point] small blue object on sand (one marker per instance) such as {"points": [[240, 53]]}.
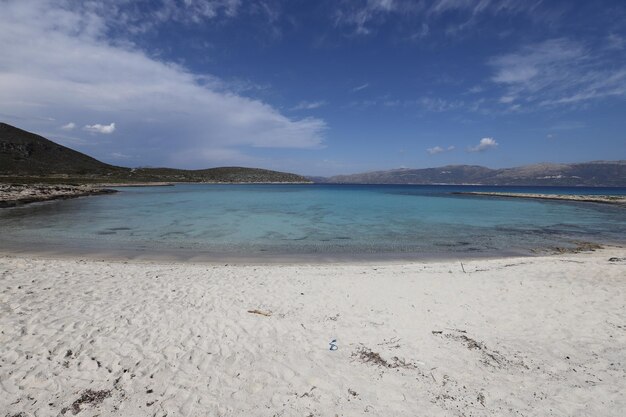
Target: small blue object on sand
{"points": [[333, 345]]}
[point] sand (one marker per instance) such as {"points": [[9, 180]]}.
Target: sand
{"points": [[542, 336]]}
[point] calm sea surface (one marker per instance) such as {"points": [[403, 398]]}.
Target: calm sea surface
{"points": [[312, 220]]}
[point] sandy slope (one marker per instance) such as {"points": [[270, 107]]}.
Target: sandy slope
{"points": [[519, 337]]}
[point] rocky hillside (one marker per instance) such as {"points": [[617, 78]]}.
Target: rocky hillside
{"points": [[27, 157], [25, 153], [598, 173]]}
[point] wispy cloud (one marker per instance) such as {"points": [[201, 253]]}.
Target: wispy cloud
{"points": [[615, 42], [439, 104], [568, 125], [475, 90], [558, 71], [360, 87], [135, 17], [420, 34], [363, 16], [475, 7], [309, 105], [438, 149], [119, 155], [430, 104], [99, 128], [361, 13], [69, 126], [483, 145]]}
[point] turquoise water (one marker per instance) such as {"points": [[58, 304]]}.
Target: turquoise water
{"points": [[308, 220]]}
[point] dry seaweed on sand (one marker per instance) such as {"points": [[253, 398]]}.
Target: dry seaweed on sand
{"points": [[366, 355], [88, 397], [260, 312], [578, 247], [489, 356]]}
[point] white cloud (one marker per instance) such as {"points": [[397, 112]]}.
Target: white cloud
{"points": [[435, 150], [56, 61], [483, 145], [309, 105], [438, 149], [360, 87], [98, 128], [558, 71], [69, 126]]}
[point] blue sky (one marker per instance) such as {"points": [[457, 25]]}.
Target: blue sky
{"points": [[319, 87]]}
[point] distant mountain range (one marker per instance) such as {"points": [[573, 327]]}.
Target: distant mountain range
{"points": [[27, 157], [597, 173]]}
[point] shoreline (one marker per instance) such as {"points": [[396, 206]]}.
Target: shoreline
{"points": [[200, 257], [602, 199], [19, 194], [14, 195], [153, 339]]}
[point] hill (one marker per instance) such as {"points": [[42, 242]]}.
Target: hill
{"points": [[27, 157], [597, 173], [25, 153]]}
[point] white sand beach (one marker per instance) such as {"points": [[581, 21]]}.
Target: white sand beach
{"points": [[542, 336]]}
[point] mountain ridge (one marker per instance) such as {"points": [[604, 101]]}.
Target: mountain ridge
{"points": [[28, 157], [594, 173]]}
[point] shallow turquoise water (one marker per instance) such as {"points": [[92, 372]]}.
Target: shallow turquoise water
{"points": [[329, 220]]}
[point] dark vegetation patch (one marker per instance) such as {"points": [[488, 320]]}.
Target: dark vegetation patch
{"points": [[489, 357], [366, 355], [576, 247], [88, 397]]}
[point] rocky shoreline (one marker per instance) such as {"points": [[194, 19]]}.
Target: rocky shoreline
{"points": [[604, 199], [12, 195]]}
